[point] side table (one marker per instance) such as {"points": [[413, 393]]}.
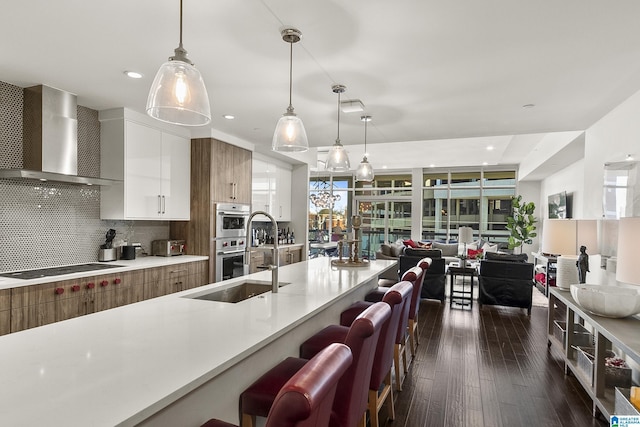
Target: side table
{"points": [[461, 296]]}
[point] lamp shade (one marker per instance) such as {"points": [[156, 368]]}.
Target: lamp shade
{"points": [[465, 234], [565, 236], [290, 134], [337, 159], [178, 95], [628, 269], [364, 171]]}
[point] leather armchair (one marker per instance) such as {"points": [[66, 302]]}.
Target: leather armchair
{"points": [[434, 282], [506, 283]]}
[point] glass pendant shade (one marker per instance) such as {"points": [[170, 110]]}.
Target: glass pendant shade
{"points": [[364, 171], [178, 95], [290, 134], [337, 159]]}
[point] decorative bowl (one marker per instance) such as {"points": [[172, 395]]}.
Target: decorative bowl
{"points": [[607, 301]]}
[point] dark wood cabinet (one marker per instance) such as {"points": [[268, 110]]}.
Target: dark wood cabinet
{"points": [[220, 173], [37, 305]]}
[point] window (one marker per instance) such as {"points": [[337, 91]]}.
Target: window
{"points": [[473, 198]]}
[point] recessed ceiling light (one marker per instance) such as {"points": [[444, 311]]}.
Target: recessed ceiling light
{"points": [[629, 157], [528, 105], [384, 166], [485, 163], [489, 147], [229, 116], [432, 165], [133, 74]]}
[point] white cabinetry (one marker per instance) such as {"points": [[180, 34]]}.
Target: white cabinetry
{"points": [[154, 165], [271, 189]]}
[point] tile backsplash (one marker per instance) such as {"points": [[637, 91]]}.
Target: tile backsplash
{"points": [[50, 224]]}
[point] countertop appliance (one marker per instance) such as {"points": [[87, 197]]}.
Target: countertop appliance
{"points": [[56, 271], [168, 247]]}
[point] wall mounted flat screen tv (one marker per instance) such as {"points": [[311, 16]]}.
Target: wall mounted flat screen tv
{"points": [[560, 205]]}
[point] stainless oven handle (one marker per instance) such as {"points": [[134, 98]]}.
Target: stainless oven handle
{"points": [[231, 252], [235, 214]]}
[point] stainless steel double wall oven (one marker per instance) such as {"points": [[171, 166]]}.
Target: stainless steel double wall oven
{"points": [[231, 239]]}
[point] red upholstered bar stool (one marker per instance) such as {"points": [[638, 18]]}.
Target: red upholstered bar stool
{"points": [[306, 399], [375, 295], [350, 402], [380, 388]]}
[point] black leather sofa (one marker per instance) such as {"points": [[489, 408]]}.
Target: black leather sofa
{"points": [[434, 280], [506, 280]]}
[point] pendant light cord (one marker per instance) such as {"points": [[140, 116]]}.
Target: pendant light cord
{"points": [[338, 140], [365, 137], [181, 23], [290, 72]]}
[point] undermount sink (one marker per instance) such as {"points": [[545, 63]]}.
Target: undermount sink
{"points": [[238, 292]]}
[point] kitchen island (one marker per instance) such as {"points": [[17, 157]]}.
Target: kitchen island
{"points": [[172, 360]]}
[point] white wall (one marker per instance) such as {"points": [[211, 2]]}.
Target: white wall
{"points": [[609, 140], [570, 179]]}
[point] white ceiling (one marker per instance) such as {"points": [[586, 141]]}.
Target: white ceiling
{"points": [[427, 71]]}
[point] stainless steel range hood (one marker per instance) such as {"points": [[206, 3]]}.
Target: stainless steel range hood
{"points": [[50, 139]]}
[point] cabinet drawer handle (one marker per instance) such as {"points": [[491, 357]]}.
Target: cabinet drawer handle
{"points": [[163, 205], [159, 205]]}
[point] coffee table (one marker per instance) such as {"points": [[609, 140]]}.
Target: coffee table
{"points": [[462, 296]]}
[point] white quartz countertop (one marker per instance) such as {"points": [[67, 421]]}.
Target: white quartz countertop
{"points": [[118, 367], [123, 265]]}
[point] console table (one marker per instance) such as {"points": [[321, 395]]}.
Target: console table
{"points": [[621, 334]]}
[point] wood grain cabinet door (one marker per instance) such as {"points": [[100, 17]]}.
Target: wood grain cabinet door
{"points": [[155, 282], [198, 274], [5, 311], [178, 276], [33, 306]]}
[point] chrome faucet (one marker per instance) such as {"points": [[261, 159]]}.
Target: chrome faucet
{"points": [[275, 259]]}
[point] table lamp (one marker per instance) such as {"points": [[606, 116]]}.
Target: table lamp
{"points": [[628, 268], [465, 235], [563, 238]]}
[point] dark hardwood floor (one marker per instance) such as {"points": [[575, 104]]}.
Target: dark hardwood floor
{"points": [[490, 368]]}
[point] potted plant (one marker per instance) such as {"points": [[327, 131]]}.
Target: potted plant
{"points": [[521, 225]]}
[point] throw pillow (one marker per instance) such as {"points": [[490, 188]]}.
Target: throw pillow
{"points": [[396, 250], [448, 249], [473, 253], [410, 243], [487, 247]]}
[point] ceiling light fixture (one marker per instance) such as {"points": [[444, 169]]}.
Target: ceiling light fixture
{"points": [[290, 134], [489, 147], [365, 170], [337, 159], [133, 74], [352, 106], [229, 116], [178, 94], [629, 158]]}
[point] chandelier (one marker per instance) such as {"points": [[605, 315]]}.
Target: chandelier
{"points": [[322, 197]]}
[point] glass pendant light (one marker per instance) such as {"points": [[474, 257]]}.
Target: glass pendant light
{"points": [[365, 170], [290, 134], [178, 94], [337, 159]]}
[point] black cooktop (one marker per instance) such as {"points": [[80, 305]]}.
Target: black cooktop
{"points": [[57, 271]]}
